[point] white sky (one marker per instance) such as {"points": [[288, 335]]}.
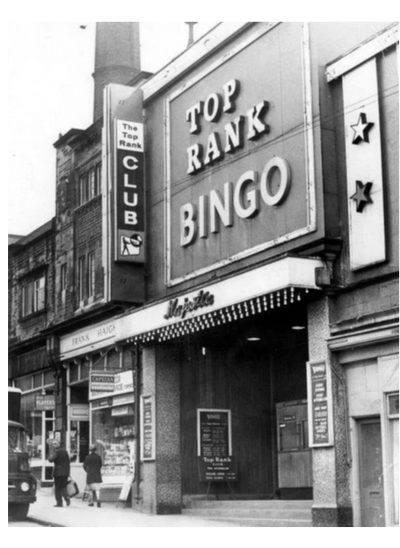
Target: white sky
{"points": [[51, 91]]}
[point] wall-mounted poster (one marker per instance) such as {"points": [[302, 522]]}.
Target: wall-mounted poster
{"points": [[214, 445], [147, 429], [319, 404]]}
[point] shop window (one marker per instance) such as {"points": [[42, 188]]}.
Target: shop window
{"points": [[393, 416], [113, 432], [33, 296], [85, 370], [73, 372]]}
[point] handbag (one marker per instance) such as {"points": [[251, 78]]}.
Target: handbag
{"points": [[72, 488]]}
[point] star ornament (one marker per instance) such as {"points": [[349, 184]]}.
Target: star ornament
{"points": [[361, 196], [361, 129]]}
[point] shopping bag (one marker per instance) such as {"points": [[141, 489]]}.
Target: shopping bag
{"points": [[72, 488]]}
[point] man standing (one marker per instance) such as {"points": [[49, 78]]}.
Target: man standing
{"points": [[92, 467], [60, 459]]}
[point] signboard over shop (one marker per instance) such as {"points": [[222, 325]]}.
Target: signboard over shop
{"points": [[87, 340], [45, 403], [111, 383], [240, 149]]}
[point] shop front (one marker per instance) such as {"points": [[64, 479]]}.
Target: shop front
{"points": [[38, 415], [100, 404]]}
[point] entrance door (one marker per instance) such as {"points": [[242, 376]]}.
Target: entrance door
{"points": [[371, 474]]}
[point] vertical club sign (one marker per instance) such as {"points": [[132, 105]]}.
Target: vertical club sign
{"points": [[129, 192]]}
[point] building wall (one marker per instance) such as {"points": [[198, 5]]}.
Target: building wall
{"points": [[28, 260], [79, 227]]}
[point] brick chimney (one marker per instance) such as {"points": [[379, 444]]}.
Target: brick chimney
{"points": [[117, 58]]}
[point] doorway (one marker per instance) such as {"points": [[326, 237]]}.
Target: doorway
{"points": [[371, 473]]}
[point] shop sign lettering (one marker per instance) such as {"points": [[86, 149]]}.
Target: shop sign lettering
{"points": [[129, 191], [179, 310], [93, 336], [252, 189]]}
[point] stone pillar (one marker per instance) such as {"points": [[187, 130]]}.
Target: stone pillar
{"points": [[331, 469], [162, 486]]}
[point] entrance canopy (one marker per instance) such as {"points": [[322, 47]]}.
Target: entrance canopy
{"points": [[242, 295], [267, 287]]}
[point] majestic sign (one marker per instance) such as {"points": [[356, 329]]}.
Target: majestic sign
{"points": [[129, 191], [178, 310], [240, 171]]}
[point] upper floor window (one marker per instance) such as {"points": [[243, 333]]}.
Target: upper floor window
{"points": [[63, 277], [90, 184], [81, 278], [33, 296], [91, 274]]}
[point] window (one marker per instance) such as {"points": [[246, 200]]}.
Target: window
{"points": [[90, 184], [81, 278], [33, 296], [63, 277], [91, 274], [98, 178], [83, 189]]}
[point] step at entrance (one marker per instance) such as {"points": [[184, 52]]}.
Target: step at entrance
{"points": [[253, 513]]}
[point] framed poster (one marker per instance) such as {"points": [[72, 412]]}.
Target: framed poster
{"points": [[214, 446], [147, 429], [320, 419], [214, 433]]}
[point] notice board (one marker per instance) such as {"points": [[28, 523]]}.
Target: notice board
{"points": [[147, 430], [214, 445], [319, 404]]}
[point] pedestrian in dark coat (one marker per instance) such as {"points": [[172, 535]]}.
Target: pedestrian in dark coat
{"points": [[61, 472], [92, 467]]}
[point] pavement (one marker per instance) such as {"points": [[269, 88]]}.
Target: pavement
{"points": [[79, 514]]}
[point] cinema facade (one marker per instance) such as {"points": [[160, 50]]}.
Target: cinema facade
{"points": [[250, 193]]}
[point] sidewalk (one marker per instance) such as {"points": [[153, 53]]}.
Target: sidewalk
{"points": [[80, 515]]}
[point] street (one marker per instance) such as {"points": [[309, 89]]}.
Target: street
{"points": [[79, 517]]}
